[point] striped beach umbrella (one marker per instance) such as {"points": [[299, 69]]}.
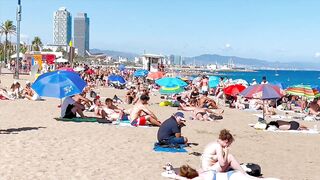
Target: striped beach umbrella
{"points": [[267, 91], [171, 90], [308, 91]]}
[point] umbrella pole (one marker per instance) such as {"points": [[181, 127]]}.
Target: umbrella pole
{"points": [[60, 107], [263, 110]]}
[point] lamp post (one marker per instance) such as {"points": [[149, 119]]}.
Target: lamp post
{"points": [[16, 72]]}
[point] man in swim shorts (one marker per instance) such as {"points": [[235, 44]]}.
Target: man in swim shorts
{"points": [[140, 113]]}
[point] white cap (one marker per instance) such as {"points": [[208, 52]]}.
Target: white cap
{"points": [[28, 82], [15, 82]]}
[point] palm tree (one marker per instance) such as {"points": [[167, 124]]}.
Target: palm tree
{"points": [[7, 28], [36, 44]]}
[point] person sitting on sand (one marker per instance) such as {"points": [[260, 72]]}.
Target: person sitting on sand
{"points": [[70, 107], [81, 99], [216, 155], [315, 108], [130, 95], [186, 172], [206, 102], [113, 112], [140, 113], [285, 125], [98, 108], [15, 90], [170, 130], [30, 93], [4, 94]]}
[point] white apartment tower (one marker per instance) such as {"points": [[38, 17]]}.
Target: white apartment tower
{"points": [[62, 27]]}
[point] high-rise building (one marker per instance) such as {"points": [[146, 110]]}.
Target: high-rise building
{"points": [[81, 33], [62, 25]]}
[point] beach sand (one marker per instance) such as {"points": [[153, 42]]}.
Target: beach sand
{"points": [[35, 146]]}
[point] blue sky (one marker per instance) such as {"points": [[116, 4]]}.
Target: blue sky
{"points": [[275, 30]]}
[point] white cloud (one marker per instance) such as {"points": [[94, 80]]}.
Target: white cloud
{"points": [[227, 46], [317, 55]]}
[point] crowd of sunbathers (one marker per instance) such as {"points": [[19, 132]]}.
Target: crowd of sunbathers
{"points": [[17, 92]]}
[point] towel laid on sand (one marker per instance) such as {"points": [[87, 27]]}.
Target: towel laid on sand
{"points": [[169, 148], [88, 119], [310, 131]]}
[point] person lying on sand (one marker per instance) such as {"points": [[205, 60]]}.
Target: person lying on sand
{"points": [[203, 114], [187, 172], [216, 155], [140, 113], [285, 125]]}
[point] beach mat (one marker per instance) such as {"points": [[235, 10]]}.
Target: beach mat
{"points": [[91, 119], [178, 149], [310, 131]]}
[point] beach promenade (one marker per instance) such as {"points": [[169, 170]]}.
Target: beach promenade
{"points": [[35, 146]]}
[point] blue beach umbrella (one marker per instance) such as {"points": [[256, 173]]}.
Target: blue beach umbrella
{"points": [[171, 82], [214, 81], [280, 84], [59, 84], [140, 73], [122, 67], [117, 79]]}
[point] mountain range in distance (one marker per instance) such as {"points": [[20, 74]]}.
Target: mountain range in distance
{"points": [[205, 59]]}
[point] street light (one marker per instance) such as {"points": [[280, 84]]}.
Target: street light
{"points": [[16, 72]]}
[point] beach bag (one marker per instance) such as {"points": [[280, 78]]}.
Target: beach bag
{"points": [[252, 169]]}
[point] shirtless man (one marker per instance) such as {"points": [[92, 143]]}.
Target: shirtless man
{"points": [[113, 112], [140, 113], [206, 102], [98, 108], [204, 84]]}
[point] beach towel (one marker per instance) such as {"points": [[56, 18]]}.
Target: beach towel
{"points": [[169, 148], [310, 131], [88, 119], [127, 123]]}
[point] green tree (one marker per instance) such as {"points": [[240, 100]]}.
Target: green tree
{"points": [[47, 50], [36, 44], [7, 28]]}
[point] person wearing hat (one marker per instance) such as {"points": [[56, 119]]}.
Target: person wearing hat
{"points": [[170, 130], [254, 82]]}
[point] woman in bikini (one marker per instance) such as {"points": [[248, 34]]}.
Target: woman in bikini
{"points": [[285, 125]]}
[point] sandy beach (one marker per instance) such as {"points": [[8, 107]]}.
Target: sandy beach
{"points": [[35, 146]]}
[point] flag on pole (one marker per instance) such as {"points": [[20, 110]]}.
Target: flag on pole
{"points": [[70, 43]]}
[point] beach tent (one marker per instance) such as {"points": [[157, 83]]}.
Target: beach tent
{"points": [[15, 55]]}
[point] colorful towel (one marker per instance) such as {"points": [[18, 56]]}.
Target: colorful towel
{"points": [[171, 149]]}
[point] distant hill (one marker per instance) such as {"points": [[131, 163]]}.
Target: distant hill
{"points": [[249, 62], [115, 54]]}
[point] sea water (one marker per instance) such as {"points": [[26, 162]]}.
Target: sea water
{"points": [[287, 77]]}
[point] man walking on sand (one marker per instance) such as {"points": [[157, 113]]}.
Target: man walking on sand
{"points": [[140, 113]]}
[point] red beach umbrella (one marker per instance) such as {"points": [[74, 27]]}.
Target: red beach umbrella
{"points": [[155, 75], [90, 71], [234, 90]]}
